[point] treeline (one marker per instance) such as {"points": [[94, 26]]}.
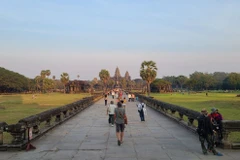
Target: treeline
{"points": [[205, 81], [12, 82]]}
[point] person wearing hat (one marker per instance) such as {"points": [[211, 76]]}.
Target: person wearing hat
{"points": [[218, 125], [205, 132]]}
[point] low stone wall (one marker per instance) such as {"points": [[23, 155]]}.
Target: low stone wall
{"points": [[177, 113], [34, 126]]}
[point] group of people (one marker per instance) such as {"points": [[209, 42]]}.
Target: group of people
{"points": [[210, 129], [209, 125], [131, 97], [117, 113]]}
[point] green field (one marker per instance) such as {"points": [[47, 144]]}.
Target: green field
{"points": [[227, 103], [18, 106]]}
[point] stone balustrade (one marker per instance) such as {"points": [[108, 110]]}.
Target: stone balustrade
{"points": [[178, 113], [41, 123]]}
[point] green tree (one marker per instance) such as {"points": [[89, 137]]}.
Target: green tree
{"points": [[48, 73], [43, 75], [12, 82], [181, 80], [208, 81], [48, 84], [161, 84], [148, 72], [104, 76], [64, 79], [232, 81], [219, 78], [37, 80], [111, 83], [172, 80]]}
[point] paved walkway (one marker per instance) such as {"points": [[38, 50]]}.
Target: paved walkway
{"points": [[88, 136]]}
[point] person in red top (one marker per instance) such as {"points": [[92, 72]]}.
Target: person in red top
{"points": [[216, 119]]}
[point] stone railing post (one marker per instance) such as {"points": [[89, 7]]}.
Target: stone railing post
{"points": [[180, 116], [2, 126], [173, 112], [1, 136], [65, 114], [58, 118], [225, 142], [190, 121], [35, 129], [48, 122]]}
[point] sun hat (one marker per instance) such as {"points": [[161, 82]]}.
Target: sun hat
{"points": [[213, 109], [204, 110]]}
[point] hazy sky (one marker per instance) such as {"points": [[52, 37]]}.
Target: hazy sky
{"points": [[83, 37]]}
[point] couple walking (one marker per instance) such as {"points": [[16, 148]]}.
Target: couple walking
{"points": [[118, 115]]}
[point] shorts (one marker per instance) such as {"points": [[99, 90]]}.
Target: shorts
{"points": [[120, 127]]}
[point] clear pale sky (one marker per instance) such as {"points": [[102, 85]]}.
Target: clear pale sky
{"points": [[83, 37]]}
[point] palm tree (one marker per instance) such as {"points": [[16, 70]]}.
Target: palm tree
{"points": [[43, 74], [64, 80], [54, 82], [148, 72], [37, 79], [48, 73], [104, 76]]}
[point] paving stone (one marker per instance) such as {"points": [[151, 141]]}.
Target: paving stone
{"points": [[89, 155], [60, 154]]}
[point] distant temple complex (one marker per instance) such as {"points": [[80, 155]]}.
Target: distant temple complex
{"points": [[117, 81]]}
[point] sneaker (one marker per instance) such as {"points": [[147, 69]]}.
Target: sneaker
{"points": [[119, 143], [218, 154], [112, 125]]}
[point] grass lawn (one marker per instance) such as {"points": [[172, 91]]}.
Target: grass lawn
{"points": [[18, 106], [227, 103]]}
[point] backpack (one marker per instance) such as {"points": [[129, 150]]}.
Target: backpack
{"points": [[200, 130]]}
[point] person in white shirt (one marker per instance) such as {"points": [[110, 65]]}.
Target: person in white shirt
{"points": [[140, 107], [129, 97], [113, 93], [110, 112]]}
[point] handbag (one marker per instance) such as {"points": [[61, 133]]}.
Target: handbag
{"points": [[125, 120]]}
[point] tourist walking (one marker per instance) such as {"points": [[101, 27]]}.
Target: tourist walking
{"points": [[105, 99], [205, 132], [119, 116], [133, 97], [113, 93], [110, 113], [129, 97], [140, 107]]}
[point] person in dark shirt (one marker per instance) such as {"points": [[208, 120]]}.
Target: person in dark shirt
{"points": [[205, 132]]}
